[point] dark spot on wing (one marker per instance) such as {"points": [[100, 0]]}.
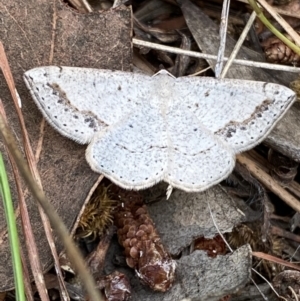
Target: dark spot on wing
{"points": [[230, 131], [91, 122], [264, 87]]}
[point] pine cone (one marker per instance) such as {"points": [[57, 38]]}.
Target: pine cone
{"points": [[277, 52], [143, 248]]}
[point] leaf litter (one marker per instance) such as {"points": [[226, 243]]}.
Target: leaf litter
{"points": [[283, 144]]}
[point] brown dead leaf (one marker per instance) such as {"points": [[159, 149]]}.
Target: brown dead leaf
{"points": [[48, 32]]}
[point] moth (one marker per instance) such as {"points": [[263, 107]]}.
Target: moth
{"points": [[141, 130]]}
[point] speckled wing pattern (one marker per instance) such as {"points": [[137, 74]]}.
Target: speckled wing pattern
{"points": [[241, 113], [142, 130]]}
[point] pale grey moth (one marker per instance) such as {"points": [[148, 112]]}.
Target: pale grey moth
{"points": [[141, 130]]}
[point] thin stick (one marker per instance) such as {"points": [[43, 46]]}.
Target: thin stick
{"points": [[294, 293], [268, 181], [216, 226], [223, 35], [238, 44], [270, 284], [230, 249], [175, 50]]}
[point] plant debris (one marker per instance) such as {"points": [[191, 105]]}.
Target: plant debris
{"points": [[143, 247]]}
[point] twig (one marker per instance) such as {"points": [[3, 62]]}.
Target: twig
{"points": [[270, 284], [175, 50], [223, 35], [269, 182], [293, 293], [230, 249], [285, 234], [216, 226], [238, 44]]}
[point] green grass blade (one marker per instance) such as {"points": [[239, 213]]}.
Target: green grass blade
{"points": [[12, 232], [277, 33]]}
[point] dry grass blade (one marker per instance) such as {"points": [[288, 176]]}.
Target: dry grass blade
{"points": [[276, 260], [33, 252], [23, 209], [55, 220], [30, 242]]}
